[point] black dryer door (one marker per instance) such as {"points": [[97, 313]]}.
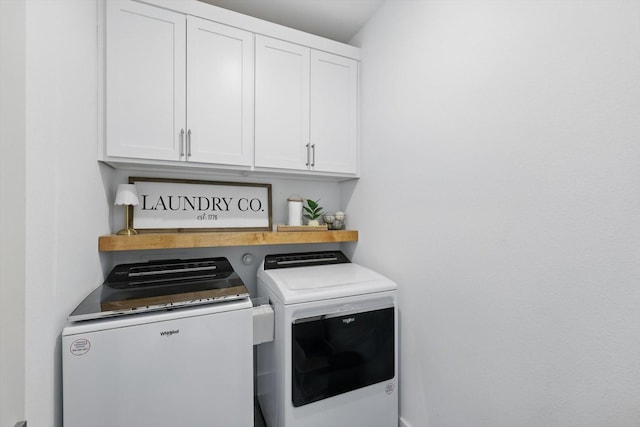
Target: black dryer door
{"points": [[336, 354]]}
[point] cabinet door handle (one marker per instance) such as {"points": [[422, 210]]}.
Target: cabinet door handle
{"points": [[308, 155], [189, 143], [181, 143], [313, 150]]}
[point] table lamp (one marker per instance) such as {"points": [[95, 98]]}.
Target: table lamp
{"points": [[127, 195]]}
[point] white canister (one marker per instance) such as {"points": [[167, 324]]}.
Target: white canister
{"points": [[295, 210]]}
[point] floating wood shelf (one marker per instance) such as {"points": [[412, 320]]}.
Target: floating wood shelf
{"points": [[219, 239]]}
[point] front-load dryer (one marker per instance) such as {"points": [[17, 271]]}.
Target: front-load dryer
{"points": [[334, 357]]}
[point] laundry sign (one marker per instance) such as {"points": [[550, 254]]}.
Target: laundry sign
{"points": [[190, 205]]}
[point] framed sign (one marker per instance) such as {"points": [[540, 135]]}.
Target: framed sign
{"points": [[189, 205]]}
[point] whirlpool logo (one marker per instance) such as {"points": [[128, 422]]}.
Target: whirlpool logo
{"points": [[348, 320], [169, 333]]}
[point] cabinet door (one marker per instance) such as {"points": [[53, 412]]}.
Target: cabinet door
{"points": [[282, 104], [334, 113], [219, 93], [145, 81]]}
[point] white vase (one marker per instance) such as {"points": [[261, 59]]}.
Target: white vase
{"points": [[313, 223], [295, 210]]}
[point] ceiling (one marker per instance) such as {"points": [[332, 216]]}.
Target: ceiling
{"points": [[334, 19]]}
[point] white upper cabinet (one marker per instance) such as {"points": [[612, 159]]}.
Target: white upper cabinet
{"points": [[177, 87], [145, 81], [334, 113], [219, 93], [282, 105], [191, 85], [306, 109]]}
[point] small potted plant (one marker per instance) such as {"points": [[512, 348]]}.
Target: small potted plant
{"points": [[312, 211]]}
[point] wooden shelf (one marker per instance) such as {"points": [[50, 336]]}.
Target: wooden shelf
{"points": [[220, 239]]}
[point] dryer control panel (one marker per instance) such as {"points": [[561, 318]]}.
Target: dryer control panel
{"points": [[306, 259]]}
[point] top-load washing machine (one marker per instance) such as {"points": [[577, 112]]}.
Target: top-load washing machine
{"points": [[161, 344], [334, 357]]}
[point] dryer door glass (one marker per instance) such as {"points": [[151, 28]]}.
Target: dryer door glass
{"points": [[334, 355]]}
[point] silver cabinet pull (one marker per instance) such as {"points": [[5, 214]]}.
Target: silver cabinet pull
{"points": [[313, 150], [308, 155], [189, 143], [181, 143]]}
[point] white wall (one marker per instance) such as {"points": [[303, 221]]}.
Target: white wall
{"points": [[12, 222], [66, 189], [501, 189]]}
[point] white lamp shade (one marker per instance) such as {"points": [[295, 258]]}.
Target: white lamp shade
{"points": [[127, 194]]}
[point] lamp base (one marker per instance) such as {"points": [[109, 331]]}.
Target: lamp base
{"points": [[127, 232]]}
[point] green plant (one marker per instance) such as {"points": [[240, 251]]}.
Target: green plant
{"points": [[312, 210]]}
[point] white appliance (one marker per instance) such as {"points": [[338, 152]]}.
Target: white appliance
{"points": [[187, 366], [334, 358]]}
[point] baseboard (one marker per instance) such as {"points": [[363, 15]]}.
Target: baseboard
{"points": [[403, 423]]}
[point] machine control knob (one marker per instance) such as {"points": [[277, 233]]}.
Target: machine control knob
{"points": [[247, 259]]}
